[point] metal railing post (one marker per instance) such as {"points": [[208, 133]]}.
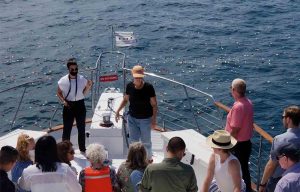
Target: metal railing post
{"points": [[193, 112], [92, 91], [259, 163], [164, 126], [15, 116], [50, 122]]}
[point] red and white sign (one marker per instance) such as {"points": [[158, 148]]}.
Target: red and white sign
{"points": [[106, 78]]}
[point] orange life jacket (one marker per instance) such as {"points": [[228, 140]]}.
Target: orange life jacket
{"points": [[97, 180]]}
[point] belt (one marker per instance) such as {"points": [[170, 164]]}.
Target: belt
{"points": [[75, 101]]}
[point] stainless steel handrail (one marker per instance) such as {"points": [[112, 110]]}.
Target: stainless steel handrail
{"points": [[96, 72], [167, 117], [21, 85], [21, 98], [176, 82], [52, 117], [185, 87], [96, 88], [17, 111]]}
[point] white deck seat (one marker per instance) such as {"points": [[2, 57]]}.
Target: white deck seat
{"points": [[12, 137], [197, 151]]}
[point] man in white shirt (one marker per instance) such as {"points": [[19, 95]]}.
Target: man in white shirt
{"points": [[71, 91]]}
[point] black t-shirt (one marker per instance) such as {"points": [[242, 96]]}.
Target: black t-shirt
{"points": [[140, 106], [5, 184]]}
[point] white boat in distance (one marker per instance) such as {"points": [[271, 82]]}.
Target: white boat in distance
{"points": [[183, 111]]}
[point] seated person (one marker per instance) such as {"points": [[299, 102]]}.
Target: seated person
{"points": [[171, 174], [25, 143], [66, 153], [224, 166], [98, 176], [136, 161], [47, 172], [136, 178], [8, 158], [289, 159]]}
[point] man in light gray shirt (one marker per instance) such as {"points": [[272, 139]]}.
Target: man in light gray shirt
{"points": [[272, 173]]}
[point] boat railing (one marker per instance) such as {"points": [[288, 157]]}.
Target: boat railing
{"points": [[108, 70], [180, 106], [15, 113]]}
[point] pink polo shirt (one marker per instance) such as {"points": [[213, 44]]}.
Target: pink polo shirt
{"points": [[241, 115]]}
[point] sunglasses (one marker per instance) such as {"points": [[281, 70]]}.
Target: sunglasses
{"points": [[74, 69]]}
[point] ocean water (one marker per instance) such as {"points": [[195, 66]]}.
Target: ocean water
{"points": [[202, 43]]}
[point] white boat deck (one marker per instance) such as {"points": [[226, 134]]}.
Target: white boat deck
{"points": [[197, 152], [81, 162]]}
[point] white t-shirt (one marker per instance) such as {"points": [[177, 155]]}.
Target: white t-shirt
{"points": [[63, 180], [64, 85]]}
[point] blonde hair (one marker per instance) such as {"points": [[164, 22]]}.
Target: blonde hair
{"points": [[96, 153], [22, 147]]}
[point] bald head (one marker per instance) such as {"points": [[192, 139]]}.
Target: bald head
{"points": [[239, 85]]}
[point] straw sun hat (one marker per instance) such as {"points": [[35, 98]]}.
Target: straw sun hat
{"points": [[221, 139]]}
